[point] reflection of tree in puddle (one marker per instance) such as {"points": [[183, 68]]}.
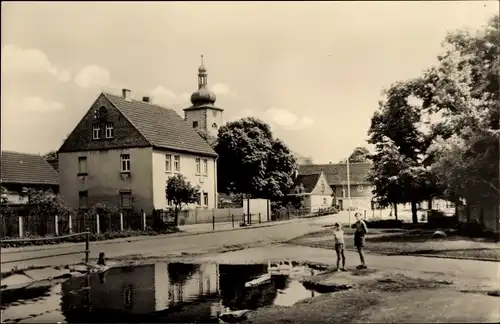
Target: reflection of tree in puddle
{"points": [[179, 273]]}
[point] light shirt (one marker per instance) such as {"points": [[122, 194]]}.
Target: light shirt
{"points": [[339, 236]]}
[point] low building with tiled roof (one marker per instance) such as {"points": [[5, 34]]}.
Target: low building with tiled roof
{"points": [[22, 171], [123, 151], [314, 189], [336, 175]]}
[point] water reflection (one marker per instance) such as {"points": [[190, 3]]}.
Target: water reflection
{"points": [[174, 293]]}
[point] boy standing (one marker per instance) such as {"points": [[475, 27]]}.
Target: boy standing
{"points": [[338, 234], [359, 238]]}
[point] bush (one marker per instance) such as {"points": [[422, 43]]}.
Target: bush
{"points": [[437, 219]]}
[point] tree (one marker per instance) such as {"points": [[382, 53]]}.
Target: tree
{"points": [[360, 154], [209, 138], [180, 192], [51, 156], [400, 172], [252, 161]]}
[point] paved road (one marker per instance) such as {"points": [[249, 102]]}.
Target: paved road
{"points": [[161, 245]]}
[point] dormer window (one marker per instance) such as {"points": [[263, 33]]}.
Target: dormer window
{"points": [[96, 132], [110, 131]]}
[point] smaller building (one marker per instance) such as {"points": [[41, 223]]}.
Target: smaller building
{"points": [[314, 189], [22, 171]]}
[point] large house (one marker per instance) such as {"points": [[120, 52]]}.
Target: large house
{"points": [[123, 151], [314, 189], [23, 171], [336, 176]]}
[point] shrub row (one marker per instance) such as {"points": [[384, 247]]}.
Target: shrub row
{"points": [[50, 240]]}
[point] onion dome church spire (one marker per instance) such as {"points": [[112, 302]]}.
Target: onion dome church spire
{"points": [[203, 95]]}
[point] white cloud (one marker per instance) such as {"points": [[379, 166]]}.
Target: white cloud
{"points": [[220, 89], [287, 119], [168, 98], [37, 104], [29, 60], [93, 76]]}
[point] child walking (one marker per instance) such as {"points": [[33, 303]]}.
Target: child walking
{"points": [[338, 234]]}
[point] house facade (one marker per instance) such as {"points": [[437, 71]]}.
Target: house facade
{"points": [[314, 189], [23, 171], [124, 150], [336, 176]]}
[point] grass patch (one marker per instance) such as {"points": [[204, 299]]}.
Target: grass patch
{"points": [[51, 240], [345, 306], [411, 242]]}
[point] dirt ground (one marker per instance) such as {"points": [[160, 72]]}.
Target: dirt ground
{"points": [[415, 242]]}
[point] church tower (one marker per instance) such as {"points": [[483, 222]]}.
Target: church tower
{"points": [[203, 114]]}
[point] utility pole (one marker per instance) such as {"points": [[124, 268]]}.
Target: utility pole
{"points": [[349, 190]]}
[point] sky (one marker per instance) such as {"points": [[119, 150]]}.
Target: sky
{"points": [[313, 70]]}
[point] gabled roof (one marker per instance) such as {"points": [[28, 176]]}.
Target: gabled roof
{"points": [[307, 181], [336, 174], [162, 127], [24, 168]]}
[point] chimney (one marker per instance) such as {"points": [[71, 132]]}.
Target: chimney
{"points": [[127, 94], [146, 99]]}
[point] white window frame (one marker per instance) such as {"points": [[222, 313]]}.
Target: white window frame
{"points": [[82, 164], [205, 167], [168, 162], [110, 131], [177, 163], [125, 164], [198, 165], [205, 199], [96, 132]]}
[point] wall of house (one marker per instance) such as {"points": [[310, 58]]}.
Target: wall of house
{"points": [[357, 191], [320, 201], [205, 118], [17, 195], [198, 115], [207, 183], [214, 117], [104, 180]]}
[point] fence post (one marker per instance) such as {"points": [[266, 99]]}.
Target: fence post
{"points": [[259, 218], [143, 220], [213, 219], [21, 228], [87, 247], [121, 222], [70, 224], [56, 221], [232, 219], [98, 224]]}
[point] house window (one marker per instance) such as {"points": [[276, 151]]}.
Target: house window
{"points": [[214, 112], [449, 204], [82, 165], [205, 199], [343, 193], [83, 199], [96, 132], [168, 162], [214, 125], [323, 188], [125, 162], [205, 167], [360, 188], [324, 201], [110, 131], [177, 163], [126, 199], [198, 200], [195, 124], [198, 166]]}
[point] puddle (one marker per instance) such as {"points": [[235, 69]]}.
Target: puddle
{"points": [[163, 292]]}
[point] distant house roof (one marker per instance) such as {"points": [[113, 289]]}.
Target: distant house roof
{"points": [[24, 168], [307, 181], [162, 127], [336, 174]]}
